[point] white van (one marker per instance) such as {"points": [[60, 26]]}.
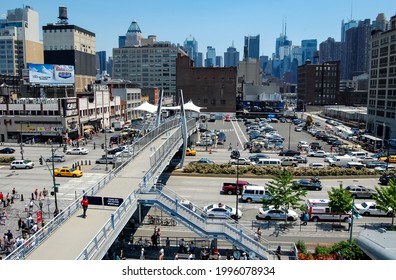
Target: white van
{"points": [[253, 193], [268, 162], [357, 154], [342, 161]]}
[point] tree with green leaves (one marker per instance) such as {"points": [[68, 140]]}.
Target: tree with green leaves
{"points": [[340, 201], [309, 121], [386, 198], [282, 194]]}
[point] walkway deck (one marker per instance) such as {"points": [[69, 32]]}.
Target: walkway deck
{"points": [[67, 242]]}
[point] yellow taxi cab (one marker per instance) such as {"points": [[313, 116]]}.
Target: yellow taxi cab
{"points": [[191, 152], [67, 172], [392, 159]]}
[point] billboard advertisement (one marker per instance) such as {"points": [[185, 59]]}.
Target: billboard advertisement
{"points": [[51, 74]]}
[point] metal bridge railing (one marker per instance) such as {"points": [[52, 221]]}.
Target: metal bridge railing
{"points": [[38, 238]]}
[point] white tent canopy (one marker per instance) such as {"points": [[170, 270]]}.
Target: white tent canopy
{"points": [[187, 106], [150, 108], [145, 106]]}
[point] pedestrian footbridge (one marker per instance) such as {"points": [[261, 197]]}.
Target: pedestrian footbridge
{"points": [[118, 195]]}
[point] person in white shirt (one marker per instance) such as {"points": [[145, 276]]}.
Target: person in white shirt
{"points": [[34, 228]]}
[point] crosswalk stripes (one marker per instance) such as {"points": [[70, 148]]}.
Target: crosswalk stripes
{"points": [[76, 186]]}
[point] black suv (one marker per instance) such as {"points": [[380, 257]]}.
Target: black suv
{"points": [[315, 146], [384, 179]]}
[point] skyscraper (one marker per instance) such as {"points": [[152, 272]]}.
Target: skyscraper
{"points": [[231, 57], [210, 60], [20, 41], [346, 26], [308, 48], [134, 35], [219, 61], [329, 50], [281, 61], [101, 64], [380, 22], [190, 46], [252, 47], [356, 50]]}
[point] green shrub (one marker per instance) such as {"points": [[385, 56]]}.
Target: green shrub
{"points": [[302, 247], [273, 170], [7, 159]]}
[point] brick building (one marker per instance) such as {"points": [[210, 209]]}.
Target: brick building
{"points": [[213, 88]]}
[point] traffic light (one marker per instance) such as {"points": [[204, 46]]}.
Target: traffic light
{"points": [[103, 146], [41, 160]]}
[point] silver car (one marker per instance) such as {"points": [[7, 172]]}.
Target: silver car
{"points": [[360, 191]]}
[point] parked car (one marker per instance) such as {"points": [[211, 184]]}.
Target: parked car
{"points": [[77, 151], [203, 161], [240, 161], [256, 157], [375, 163], [366, 159], [301, 159], [302, 144], [276, 214], [205, 143], [307, 184], [317, 165], [368, 208], [385, 178], [289, 162], [298, 129], [56, 158], [360, 191], [67, 172], [221, 211], [21, 164], [289, 152], [385, 167], [314, 146], [7, 151], [318, 153], [356, 165]]}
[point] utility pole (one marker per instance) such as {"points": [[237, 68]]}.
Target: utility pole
{"points": [[54, 182], [237, 185]]}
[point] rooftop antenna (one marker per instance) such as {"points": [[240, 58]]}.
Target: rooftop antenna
{"points": [[351, 9], [285, 26]]}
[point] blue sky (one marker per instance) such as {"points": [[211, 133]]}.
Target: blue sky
{"points": [[217, 23]]}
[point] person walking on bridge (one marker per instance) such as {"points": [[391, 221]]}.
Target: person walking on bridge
{"points": [[84, 204]]}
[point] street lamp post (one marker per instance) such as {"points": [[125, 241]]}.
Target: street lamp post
{"points": [[237, 185], [21, 138], [288, 146], [351, 227], [105, 147], [54, 182]]}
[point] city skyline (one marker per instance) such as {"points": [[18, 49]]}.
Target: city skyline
{"points": [[214, 26]]}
